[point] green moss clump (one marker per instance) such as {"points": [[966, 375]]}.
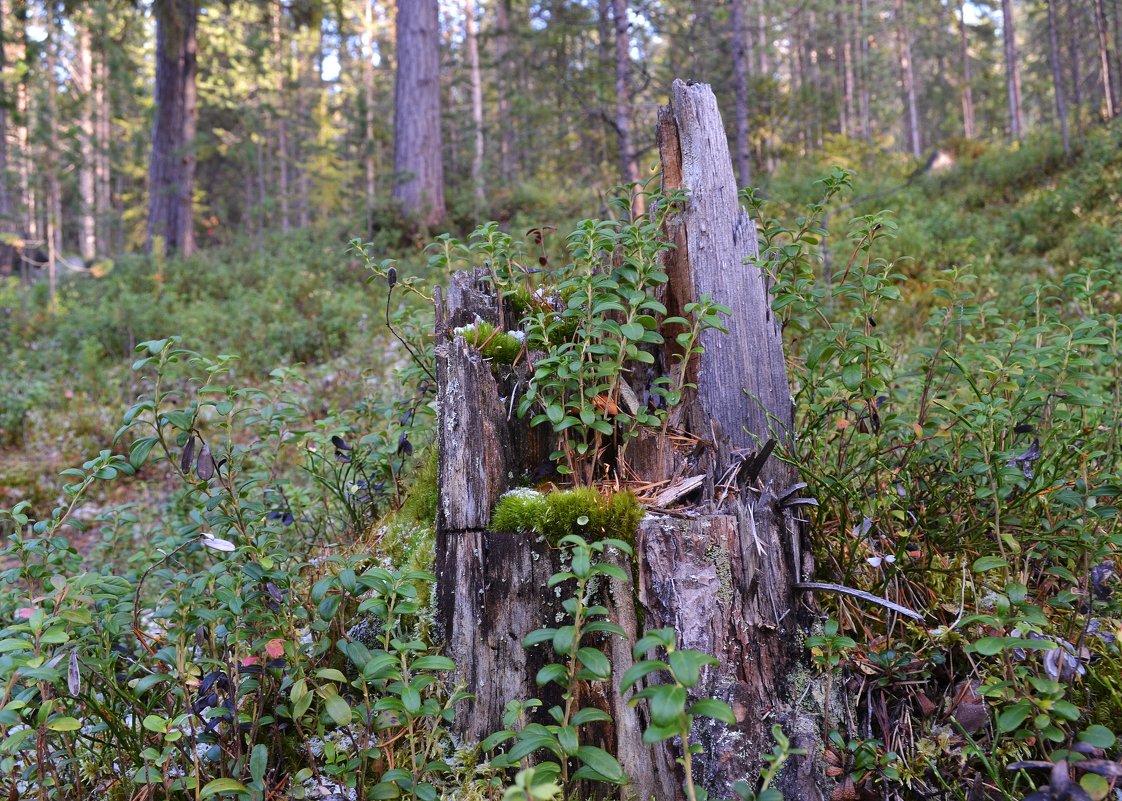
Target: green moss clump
{"points": [[424, 492], [498, 346], [554, 515]]}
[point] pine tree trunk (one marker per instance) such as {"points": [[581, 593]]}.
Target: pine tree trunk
{"points": [[478, 188], [740, 82], [368, 143], [103, 199], [171, 172], [726, 577], [907, 81], [87, 187], [1012, 71], [1110, 92], [280, 68], [967, 81], [503, 84], [418, 169], [51, 163], [629, 167], [863, 55], [1057, 76], [1074, 62], [8, 223]]}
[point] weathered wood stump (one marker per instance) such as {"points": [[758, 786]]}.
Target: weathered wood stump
{"points": [[723, 574]]}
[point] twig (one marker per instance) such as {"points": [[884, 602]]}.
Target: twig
{"points": [[866, 596]]}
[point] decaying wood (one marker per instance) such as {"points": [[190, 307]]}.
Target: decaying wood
{"points": [[490, 586], [723, 573]]}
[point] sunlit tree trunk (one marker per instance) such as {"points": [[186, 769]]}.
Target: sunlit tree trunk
{"points": [[1057, 77], [740, 83], [967, 89], [103, 121], [1012, 71], [51, 163], [418, 169], [907, 81], [171, 174], [472, 42], [87, 188]]}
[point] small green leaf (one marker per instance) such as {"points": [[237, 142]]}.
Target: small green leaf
{"points": [[224, 785], [339, 710], [64, 724], [713, 708], [1014, 716], [1098, 736]]}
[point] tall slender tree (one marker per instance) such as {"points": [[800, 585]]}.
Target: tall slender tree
{"points": [[472, 42], [907, 80], [967, 91], [1110, 91], [418, 167], [740, 84], [1012, 71], [7, 195], [629, 167], [171, 172], [1057, 75]]}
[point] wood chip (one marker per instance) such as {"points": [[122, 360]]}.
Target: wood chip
{"points": [[676, 491]]}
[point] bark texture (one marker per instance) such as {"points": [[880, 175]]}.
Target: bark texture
{"points": [[725, 577], [418, 169], [171, 170], [1012, 71]]}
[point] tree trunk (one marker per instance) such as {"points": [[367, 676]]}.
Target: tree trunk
{"points": [[725, 577], [1057, 77], [280, 68], [863, 61], [368, 143], [418, 169], [87, 188], [1074, 62], [967, 87], [849, 126], [629, 167], [503, 84], [907, 81], [8, 223], [1012, 71], [478, 188], [103, 199], [51, 163], [740, 82], [171, 172], [1110, 97]]}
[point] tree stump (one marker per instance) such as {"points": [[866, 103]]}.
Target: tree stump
{"points": [[722, 575]]}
